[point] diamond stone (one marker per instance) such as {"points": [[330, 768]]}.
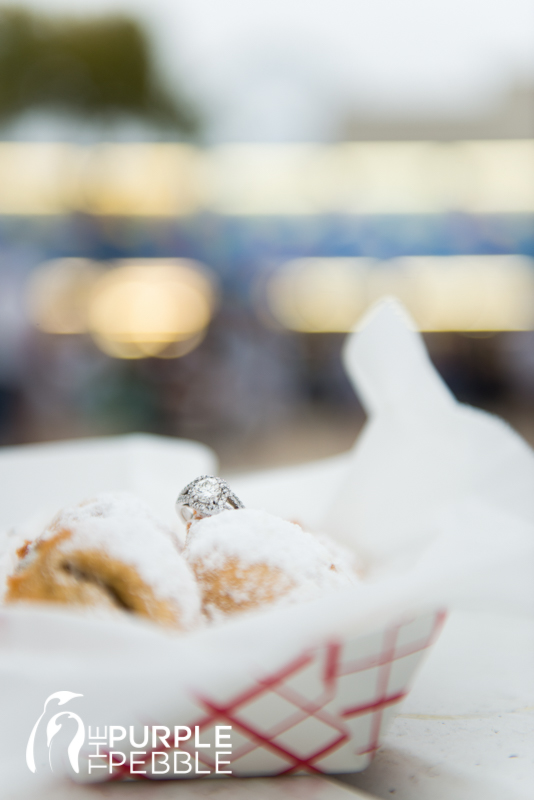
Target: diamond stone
{"points": [[208, 489]]}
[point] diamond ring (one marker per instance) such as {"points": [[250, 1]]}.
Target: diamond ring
{"points": [[206, 496]]}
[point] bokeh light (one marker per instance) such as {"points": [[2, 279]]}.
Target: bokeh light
{"points": [[319, 295], [443, 293], [164, 179], [153, 307], [138, 179], [58, 294]]}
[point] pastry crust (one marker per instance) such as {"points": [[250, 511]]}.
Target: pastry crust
{"points": [[247, 559], [238, 587], [84, 559]]}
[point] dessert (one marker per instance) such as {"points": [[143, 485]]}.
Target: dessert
{"points": [[111, 553], [108, 552], [245, 559]]}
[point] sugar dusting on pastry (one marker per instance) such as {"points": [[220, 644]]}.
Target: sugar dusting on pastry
{"points": [[247, 558], [109, 550]]}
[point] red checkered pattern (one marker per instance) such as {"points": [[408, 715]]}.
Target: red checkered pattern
{"points": [[326, 711]]}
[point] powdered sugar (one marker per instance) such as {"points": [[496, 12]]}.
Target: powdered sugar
{"points": [[255, 537], [124, 527]]}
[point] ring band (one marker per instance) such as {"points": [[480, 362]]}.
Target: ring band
{"points": [[206, 495]]}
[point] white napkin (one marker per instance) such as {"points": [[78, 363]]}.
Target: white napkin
{"points": [[429, 476]]}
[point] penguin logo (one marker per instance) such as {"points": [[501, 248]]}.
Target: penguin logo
{"points": [[53, 727]]}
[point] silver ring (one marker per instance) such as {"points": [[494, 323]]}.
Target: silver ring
{"points": [[206, 495]]}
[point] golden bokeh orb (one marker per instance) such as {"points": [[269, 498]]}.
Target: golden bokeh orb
{"points": [[151, 307]]}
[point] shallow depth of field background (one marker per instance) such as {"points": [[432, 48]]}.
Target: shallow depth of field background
{"points": [[199, 198]]}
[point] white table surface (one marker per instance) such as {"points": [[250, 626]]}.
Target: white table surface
{"points": [[298, 788]]}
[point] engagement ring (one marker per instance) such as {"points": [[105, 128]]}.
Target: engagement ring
{"points": [[206, 496]]}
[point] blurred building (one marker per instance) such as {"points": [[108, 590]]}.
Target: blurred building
{"points": [[511, 117]]}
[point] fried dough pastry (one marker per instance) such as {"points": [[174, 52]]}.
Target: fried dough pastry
{"points": [[109, 552], [246, 559]]}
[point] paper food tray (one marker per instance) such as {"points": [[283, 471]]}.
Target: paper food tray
{"points": [[320, 705]]}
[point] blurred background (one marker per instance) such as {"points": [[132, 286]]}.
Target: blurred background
{"points": [[199, 198]]}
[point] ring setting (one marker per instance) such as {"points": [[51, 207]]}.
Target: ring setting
{"points": [[206, 496]]}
